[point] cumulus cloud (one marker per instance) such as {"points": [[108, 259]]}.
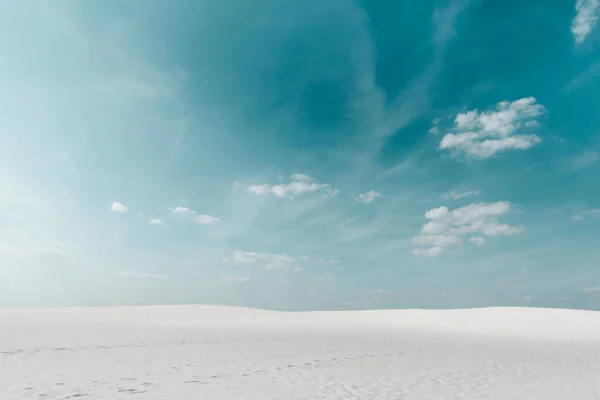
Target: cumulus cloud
{"points": [[183, 211], [142, 275], [585, 20], [368, 197], [459, 195], [581, 215], [118, 207], [445, 227], [155, 221], [481, 135], [299, 184]]}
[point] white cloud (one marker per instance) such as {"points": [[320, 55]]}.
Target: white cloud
{"points": [[142, 275], [300, 184], [200, 219], [268, 260], [238, 278], [591, 289], [274, 260], [206, 219], [482, 135], [445, 226], [584, 21], [259, 189], [155, 221], [436, 240], [368, 197], [435, 126], [581, 215], [459, 195], [428, 252], [183, 211], [118, 207], [478, 240]]}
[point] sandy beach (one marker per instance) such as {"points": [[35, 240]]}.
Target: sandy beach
{"points": [[209, 352]]}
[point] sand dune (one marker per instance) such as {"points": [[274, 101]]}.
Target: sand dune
{"points": [[209, 352]]}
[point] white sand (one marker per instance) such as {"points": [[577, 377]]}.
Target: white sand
{"points": [[225, 353]]}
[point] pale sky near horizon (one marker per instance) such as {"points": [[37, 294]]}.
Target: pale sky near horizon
{"points": [[293, 154]]}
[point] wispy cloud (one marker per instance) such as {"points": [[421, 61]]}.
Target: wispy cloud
{"points": [[118, 207], [478, 240], [368, 197], [155, 221], [206, 219], [415, 99], [445, 227], [591, 289], [480, 135], [142, 275], [267, 260], [300, 184], [202, 219], [434, 245], [582, 79], [237, 278], [453, 195], [281, 261], [581, 215], [585, 20], [583, 160], [435, 126]]}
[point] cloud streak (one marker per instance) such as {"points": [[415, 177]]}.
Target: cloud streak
{"points": [[202, 219], [267, 260], [142, 275], [299, 185]]}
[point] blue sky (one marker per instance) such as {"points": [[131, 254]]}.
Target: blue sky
{"points": [[290, 154]]}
